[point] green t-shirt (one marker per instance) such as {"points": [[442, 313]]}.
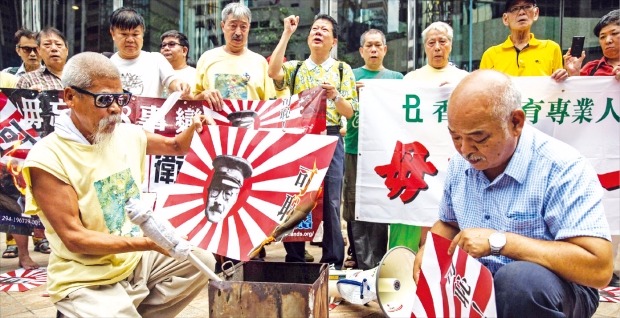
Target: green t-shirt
{"points": [[350, 140]]}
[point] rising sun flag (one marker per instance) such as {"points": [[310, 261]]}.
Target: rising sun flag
{"points": [[282, 165]]}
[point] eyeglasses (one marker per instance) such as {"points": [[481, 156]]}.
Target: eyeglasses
{"points": [[526, 8], [169, 44], [226, 193], [106, 100], [28, 49]]}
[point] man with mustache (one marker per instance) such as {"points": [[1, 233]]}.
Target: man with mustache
{"points": [[525, 204], [522, 54], [79, 179], [229, 173], [337, 78], [232, 71]]}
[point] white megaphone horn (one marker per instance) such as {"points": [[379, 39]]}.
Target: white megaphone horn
{"points": [[391, 283]]}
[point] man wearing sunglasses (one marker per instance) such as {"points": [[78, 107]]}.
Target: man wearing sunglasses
{"points": [[52, 47], [522, 54], [17, 244], [79, 179], [26, 48], [143, 73]]}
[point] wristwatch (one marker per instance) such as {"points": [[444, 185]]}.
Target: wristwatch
{"points": [[335, 99], [497, 241]]}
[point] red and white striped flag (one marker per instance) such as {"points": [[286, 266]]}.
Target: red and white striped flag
{"points": [[452, 286], [15, 131]]}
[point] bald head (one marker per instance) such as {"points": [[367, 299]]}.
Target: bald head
{"points": [[84, 68], [486, 89]]}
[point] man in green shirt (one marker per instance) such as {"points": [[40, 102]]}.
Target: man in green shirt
{"points": [[368, 240]]}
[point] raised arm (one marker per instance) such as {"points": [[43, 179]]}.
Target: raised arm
{"points": [[275, 62], [572, 64]]}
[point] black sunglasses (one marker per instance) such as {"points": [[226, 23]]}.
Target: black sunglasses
{"points": [[105, 100], [28, 49]]}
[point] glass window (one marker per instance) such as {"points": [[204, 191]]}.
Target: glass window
{"points": [[357, 16], [85, 24]]}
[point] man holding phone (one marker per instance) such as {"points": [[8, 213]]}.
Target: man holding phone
{"points": [[522, 54]]}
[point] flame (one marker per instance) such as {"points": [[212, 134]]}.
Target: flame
{"points": [[14, 167]]}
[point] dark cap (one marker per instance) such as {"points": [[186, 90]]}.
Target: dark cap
{"points": [[242, 118], [230, 171], [510, 3]]}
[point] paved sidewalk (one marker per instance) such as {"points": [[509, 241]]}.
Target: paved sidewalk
{"points": [[34, 303]]}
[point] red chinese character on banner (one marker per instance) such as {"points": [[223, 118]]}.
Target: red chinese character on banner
{"points": [[404, 176]]}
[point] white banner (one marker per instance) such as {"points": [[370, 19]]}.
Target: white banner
{"points": [[401, 121]]}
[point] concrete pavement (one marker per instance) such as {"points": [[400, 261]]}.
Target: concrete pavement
{"points": [[35, 303]]}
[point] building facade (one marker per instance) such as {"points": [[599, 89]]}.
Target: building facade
{"points": [[477, 25]]}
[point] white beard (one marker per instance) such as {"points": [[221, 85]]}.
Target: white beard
{"points": [[101, 138]]}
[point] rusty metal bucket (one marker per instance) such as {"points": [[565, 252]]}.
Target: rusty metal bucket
{"points": [[271, 289]]}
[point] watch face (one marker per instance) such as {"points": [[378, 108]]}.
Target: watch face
{"points": [[497, 240]]}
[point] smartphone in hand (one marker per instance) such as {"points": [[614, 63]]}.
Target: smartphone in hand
{"points": [[577, 46]]}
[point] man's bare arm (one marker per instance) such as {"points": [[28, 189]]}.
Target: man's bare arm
{"points": [[62, 211], [584, 260], [179, 144]]}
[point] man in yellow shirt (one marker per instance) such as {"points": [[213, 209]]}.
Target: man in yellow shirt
{"points": [[522, 54], [79, 179], [232, 71]]}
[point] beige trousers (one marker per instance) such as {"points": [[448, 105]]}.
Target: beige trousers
{"points": [[160, 286]]}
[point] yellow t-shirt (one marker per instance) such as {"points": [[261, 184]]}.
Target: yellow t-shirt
{"points": [[103, 183], [432, 76], [234, 76], [8, 80], [539, 58]]}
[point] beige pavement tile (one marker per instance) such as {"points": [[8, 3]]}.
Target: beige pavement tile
{"points": [[607, 310], [45, 312], [32, 304]]}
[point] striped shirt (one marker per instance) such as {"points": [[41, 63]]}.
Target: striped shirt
{"points": [[547, 192], [42, 78]]}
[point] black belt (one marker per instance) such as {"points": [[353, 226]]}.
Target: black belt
{"points": [[333, 130]]}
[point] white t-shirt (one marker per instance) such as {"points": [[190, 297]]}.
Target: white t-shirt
{"points": [[146, 75], [188, 75]]}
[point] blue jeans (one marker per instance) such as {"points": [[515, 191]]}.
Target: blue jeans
{"points": [[524, 289], [333, 242]]}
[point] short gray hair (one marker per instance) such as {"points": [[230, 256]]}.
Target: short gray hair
{"points": [[505, 100], [438, 26], [237, 10], [84, 68], [372, 31]]}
